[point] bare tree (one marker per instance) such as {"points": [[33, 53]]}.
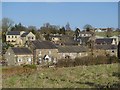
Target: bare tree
{"points": [[6, 24], [91, 43]]}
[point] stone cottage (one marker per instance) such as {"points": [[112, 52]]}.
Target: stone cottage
{"points": [[44, 51], [72, 52], [18, 56]]}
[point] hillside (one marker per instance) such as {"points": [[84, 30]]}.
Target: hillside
{"points": [[96, 76], [103, 34]]}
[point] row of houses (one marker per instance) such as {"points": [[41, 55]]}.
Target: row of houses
{"points": [[35, 51], [42, 51]]}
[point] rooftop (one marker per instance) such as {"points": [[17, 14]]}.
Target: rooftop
{"points": [[72, 49], [43, 44], [13, 33], [104, 40], [106, 47], [21, 50], [25, 34]]}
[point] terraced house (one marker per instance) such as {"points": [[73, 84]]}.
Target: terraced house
{"points": [[72, 52]]}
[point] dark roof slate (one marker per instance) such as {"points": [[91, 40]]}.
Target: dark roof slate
{"points": [[106, 47], [21, 50], [13, 33], [24, 34], [104, 40], [43, 44], [72, 49]]}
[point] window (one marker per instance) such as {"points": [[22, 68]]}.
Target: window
{"points": [[40, 53], [8, 53], [13, 41], [80, 54], [28, 37], [40, 60], [19, 60], [29, 60], [49, 52], [8, 36], [15, 36], [112, 51], [82, 34], [12, 36]]}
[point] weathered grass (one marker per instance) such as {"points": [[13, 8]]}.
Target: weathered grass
{"points": [[114, 33], [95, 76]]}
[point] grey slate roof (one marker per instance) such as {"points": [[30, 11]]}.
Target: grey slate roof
{"points": [[13, 33], [72, 49], [104, 40], [24, 34], [43, 44], [106, 47], [21, 51]]}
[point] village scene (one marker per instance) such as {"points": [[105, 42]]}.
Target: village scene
{"points": [[53, 43], [59, 56]]}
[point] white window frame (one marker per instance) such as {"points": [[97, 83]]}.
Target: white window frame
{"points": [[49, 52], [80, 54], [40, 53], [29, 59], [19, 59], [9, 53]]}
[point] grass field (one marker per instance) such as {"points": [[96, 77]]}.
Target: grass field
{"points": [[114, 33], [96, 76]]}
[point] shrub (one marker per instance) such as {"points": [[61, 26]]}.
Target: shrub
{"points": [[65, 63], [113, 59], [30, 66], [89, 60]]}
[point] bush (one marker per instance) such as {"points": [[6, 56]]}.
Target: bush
{"points": [[89, 60], [65, 63], [30, 66], [113, 59]]}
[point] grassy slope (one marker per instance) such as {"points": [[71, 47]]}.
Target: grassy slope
{"points": [[71, 77], [114, 33]]}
